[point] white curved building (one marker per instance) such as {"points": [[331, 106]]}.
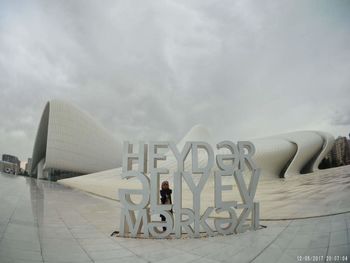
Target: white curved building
{"points": [[328, 142], [292, 153], [278, 156], [273, 155], [69, 142]]}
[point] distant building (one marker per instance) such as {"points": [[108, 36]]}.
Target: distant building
{"points": [[10, 164], [340, 153], [9, 168], [28, 166], [11, 159]]}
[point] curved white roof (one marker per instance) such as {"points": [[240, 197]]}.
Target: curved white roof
{"points": [[69, 139], [275, 155], [292, 153], [196, 133], [285, 155], [280, 155], [328, 142], [308, 145]]}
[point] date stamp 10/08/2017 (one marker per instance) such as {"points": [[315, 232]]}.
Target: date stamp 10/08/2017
{"points": [[340, 258]]}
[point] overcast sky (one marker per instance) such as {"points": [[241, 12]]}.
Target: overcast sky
{"points": [[153, 69]]}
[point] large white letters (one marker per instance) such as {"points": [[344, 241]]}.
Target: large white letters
{"points": [[137, 217]]}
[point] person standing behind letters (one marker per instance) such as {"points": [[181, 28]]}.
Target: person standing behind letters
{"points": [[165, 198]]}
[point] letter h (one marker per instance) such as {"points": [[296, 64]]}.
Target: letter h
{"points": [[129, 156]]}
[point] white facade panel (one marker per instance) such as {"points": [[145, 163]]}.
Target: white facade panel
{"points": [[71, 140], [272, 156]]}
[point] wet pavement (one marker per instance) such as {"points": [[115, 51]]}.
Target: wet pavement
{"points": [[324, 192], [42, 221]]}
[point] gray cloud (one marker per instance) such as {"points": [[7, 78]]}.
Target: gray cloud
{"points": [[341, 118], [153, 69]]}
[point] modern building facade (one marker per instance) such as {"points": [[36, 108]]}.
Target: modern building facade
{"points": [[28, 166], [292, 153], [70, 143], [11, 159], [281, 156]]}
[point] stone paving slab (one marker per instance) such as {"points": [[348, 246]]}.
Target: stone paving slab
{"points": [[42, 221], [324, 192]]}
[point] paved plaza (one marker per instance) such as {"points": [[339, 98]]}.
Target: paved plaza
{"points": [[324, 192], [43, 221]]}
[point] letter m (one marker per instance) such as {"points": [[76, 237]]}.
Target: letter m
{"points": [[129, 223]]}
